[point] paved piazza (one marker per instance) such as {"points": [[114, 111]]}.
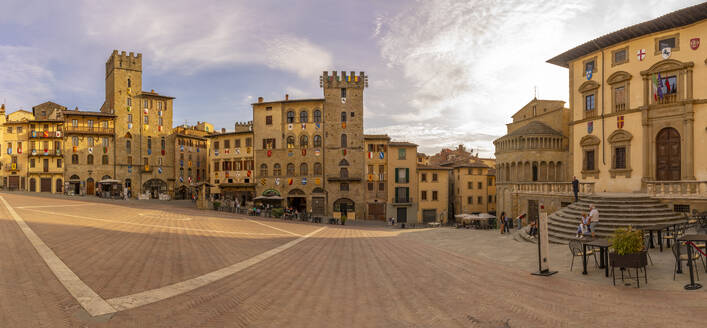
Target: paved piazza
{"points": [[85, 262]]}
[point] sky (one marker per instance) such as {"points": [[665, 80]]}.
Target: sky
{"points": [[441, 72]]}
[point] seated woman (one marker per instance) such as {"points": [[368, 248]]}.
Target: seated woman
{"points": [[582, 227]]}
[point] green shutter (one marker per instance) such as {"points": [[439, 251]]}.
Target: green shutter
{"points": [[407, 175], [396, 175]]}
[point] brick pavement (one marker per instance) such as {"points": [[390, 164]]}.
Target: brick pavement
{"points": [[339, 277]]}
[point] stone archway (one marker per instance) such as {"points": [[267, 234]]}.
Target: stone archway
{"points": [[667, 144]]}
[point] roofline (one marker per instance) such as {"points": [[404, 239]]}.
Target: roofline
{"points": [[145, 93], [678, 18], [213, 135], [287, 101], [76, 112]]}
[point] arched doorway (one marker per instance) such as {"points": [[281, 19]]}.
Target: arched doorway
{"points": [[344, 206], [90, 187], [668, 154], [74, 185], [32, 187], [297, 200], [154, 187]]}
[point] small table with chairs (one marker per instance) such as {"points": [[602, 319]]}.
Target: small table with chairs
{"points": [[603, 245], [659, 228]]}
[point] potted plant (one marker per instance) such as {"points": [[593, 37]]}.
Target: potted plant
{"points": [[628, 249]]}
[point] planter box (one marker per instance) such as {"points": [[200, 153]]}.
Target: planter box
{"points": [[635, 260]]}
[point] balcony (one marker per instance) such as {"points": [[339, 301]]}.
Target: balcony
{"points": [[619, 107], [549, 188], [682, 189], [402, 201], [12, 167], [668, 99], [49, 152], [89, 130], [590, 113], [56, 133]]}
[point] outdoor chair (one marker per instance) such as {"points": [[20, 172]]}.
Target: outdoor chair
{"points": [[576, 250], [646, 244], [683, 257], [674, 234]]}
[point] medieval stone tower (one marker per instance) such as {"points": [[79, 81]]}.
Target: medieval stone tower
{"points": [[343, 141], [143, 126]]}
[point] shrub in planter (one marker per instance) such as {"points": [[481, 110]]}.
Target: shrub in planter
{"points": [[628, 249], [277, 212], [217, 205]]}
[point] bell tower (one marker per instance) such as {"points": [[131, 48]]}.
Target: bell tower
{"points": [[343, 141], [123, 81]]}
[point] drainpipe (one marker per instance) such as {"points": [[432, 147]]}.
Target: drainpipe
{"points": [[601, 87]]}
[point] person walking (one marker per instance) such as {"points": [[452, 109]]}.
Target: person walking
{"points": [[575, 188], [593, 219], [508, 223], [502, 221]]}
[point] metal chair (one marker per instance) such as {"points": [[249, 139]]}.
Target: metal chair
{"points": [[646, 244], [577, 250], [683, 257]]}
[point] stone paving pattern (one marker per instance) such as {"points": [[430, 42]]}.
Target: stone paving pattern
{"points": [[340, 277]]}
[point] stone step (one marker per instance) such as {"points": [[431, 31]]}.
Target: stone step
{"points": [[616, 211]]}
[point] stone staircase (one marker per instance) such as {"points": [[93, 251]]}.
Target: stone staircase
{"points": [[615, 211]]}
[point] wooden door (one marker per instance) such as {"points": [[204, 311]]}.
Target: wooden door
{"points": [[90, 187], [14, 182], [533, 214], [45, 185], [376, 211], [668, 155], [402, 215], [45, 165], [318, 206], [32, 185]]}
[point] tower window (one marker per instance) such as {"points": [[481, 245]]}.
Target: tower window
{"points": [[343, 92], [128, 83], [343, 116], [290, 117], [343, 141]]}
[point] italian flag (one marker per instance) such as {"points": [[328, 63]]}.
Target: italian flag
{"points": [[655, 88]]}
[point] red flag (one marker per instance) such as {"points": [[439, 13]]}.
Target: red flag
{"points": [[667, 84]]}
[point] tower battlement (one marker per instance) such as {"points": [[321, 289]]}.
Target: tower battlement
{"points": [[130, 61], [335, 80], [244, 126]]}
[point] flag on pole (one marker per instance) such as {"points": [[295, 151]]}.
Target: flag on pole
{"points": [[655, 88], [660, 87]]}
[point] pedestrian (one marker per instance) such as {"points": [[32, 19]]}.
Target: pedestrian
{"points": [[593, 219], [575, 188], [582, 227], [507, 223], [502, 221]]}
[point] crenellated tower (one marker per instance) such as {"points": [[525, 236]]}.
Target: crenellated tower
{"points": [[343, 141], [123, 79]]}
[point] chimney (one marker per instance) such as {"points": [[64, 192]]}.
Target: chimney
{"points": [[260, 99], [223, 130], [287, 97]]}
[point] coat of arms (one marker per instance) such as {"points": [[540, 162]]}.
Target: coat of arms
{"points": [[589, 74], [694, 43], [620, 122], [665, 52], [641, 54], [590, 127]]}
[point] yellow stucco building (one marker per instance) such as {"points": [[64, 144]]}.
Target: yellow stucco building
{"points": [[638, 104]]}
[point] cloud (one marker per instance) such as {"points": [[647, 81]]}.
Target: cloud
{"points": [[431, 137], [179, 36], [26, 80]]}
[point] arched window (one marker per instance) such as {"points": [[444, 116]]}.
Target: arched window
{"points": [[303, 169], [303, 116], [317, 115], [290, 142], [128, 146], [317, 140], [344, 205], [290, 117], [344, 172], [89, 159], [276, 170], [303, 141], [74, 159], [344, 162], [263, 170], [317, 168], [290, 169], [343, 141], [343, 116]]}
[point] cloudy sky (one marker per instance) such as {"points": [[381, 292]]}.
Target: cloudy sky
{"points": [[442, 72]]}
